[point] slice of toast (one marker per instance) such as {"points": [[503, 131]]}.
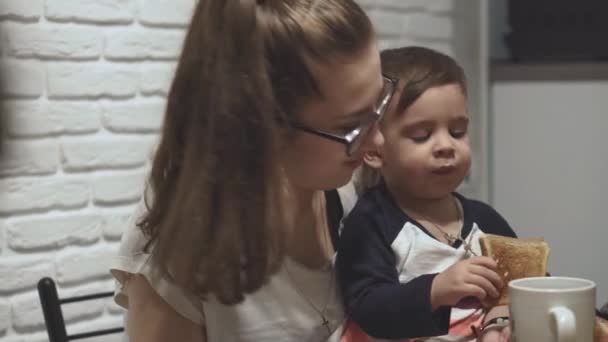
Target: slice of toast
{"points": [[516, 258]]}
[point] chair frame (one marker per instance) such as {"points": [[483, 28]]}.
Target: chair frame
{"points": [[53, 315]]}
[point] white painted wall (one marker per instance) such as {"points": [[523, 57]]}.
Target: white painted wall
{"points": [[550, 170], [86, 84]]}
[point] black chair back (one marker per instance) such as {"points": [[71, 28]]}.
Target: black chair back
{"points": [[53, 315]]}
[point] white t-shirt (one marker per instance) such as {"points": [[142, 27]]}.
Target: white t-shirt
{"points": [[288, 308]]}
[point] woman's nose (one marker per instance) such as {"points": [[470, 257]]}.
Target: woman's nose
{"points": [[373, 140]]}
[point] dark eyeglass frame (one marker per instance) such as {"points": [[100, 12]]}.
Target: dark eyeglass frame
{"points": [[354, 138]]}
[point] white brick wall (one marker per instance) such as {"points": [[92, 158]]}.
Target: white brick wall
{"points": [[84, 96]]}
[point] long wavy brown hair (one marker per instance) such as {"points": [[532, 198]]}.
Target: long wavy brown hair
{"points": [[417, 69], [215, 219]]}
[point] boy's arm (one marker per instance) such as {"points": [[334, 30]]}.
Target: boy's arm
{"points": [[374, 297]]}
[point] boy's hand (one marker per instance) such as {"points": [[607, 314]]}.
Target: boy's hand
{"points": [[495, 335], [473, 277]]}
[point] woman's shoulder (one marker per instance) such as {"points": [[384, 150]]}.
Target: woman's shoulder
{"points": [[132, 259], [133, 239]]}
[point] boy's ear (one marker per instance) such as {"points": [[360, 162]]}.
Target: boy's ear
{"points": [[373, 159]]}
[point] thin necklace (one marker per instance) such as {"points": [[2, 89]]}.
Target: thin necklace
{"points": [[324, 321], [321, 312], [451, 238]]}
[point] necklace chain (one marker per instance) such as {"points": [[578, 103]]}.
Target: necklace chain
{"points": [[324, 321], [451, 238], [321, 312]]}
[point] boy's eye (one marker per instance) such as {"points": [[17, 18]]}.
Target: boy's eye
{"points": [[420, 135], [458, 133]]}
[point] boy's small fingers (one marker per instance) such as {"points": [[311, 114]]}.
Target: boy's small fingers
{"points": [[475, 291], [488, 274], [484, 261], [489, 288], [506, 333]]}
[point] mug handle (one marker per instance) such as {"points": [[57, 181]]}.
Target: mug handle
{"points": [[564, 323]]}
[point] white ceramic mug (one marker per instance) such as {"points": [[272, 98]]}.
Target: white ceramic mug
{"points": [[552, 309]]}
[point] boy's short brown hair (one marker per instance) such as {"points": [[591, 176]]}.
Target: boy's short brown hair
{"points": [[419, 69]]}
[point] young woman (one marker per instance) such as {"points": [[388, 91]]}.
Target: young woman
{"points": [[271, 108]]}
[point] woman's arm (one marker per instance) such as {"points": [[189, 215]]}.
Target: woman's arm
{"points": [[151, 319]]}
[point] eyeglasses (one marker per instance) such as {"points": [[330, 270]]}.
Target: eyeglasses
{"points": [[355, 138]]}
